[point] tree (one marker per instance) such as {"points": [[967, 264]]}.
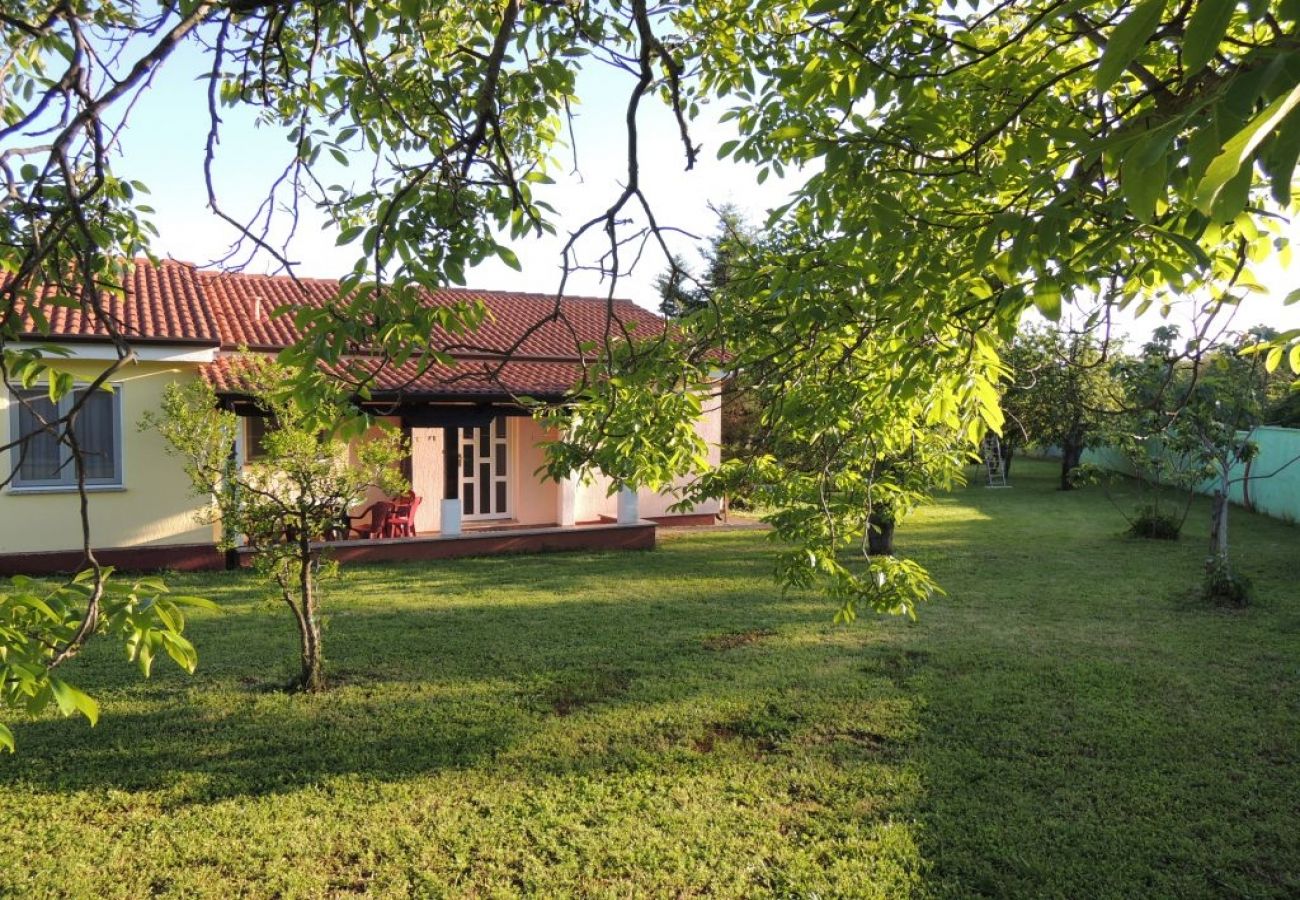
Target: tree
{"points": [[280, 504], [681, 292], [1150, 401], [1198, 408], [829, 468], [1060, 393], [966, 162]]}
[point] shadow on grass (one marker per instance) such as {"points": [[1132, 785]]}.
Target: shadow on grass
{"points": [[1056, 728], [419, 690]]}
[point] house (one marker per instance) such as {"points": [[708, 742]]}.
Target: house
{"points": [[474, 451]]}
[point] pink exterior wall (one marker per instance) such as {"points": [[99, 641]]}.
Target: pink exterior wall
{"points": [[595, 502], [427, 477], [532, 502], [534, 498]]}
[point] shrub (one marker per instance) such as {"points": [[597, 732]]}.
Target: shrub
{"points": [[1224, 587], [1153, 523]]}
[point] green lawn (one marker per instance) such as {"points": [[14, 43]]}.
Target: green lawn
{"points": [[1067, 722]]}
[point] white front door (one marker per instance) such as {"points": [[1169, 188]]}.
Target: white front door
{"points": [[484, 471]]}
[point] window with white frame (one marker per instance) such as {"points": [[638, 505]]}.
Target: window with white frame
{"points": [[43, 461]]}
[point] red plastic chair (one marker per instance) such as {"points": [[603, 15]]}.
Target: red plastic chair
{"points": [[401, 522], [380, 512]]}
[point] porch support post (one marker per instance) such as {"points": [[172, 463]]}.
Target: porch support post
{"points": [[450, 524], [566, 502], [629, 511], [240, 455], [450, 511]]}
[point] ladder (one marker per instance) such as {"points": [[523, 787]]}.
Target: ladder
{"points": [[993, 465]]}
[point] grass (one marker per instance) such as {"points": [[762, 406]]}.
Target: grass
{"points": [[1068, 722]]}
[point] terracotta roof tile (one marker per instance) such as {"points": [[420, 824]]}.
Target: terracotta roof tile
{"points": [[467, 379], [176, 302], [249, 304], [158, 304]]}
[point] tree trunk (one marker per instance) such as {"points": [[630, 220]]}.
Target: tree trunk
{"points": [[1008, 451], [1071, 456], [1219, 528], [880, 534], [311, 678]]}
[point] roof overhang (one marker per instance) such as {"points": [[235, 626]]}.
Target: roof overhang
{"points": [[98, 348]]}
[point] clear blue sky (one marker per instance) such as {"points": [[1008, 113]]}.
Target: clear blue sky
{"points": [[164, 146]]}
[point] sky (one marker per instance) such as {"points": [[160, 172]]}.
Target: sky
{"points": [[163, 146]]}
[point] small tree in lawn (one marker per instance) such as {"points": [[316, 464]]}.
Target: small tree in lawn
{"points": [[1227, 395], [1200, 409], [1060, 393], [298, 490]]}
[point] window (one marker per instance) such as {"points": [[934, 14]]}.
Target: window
{"points": [[257, 427], [45, 462]]}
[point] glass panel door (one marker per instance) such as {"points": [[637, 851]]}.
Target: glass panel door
{"points": [[484, 471]]}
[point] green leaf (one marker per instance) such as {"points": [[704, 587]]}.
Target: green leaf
{"points": [[1047, 298], [1187, 245], [197, 602], [1292, 297], [182, 652], [6, 738], [39, 605], [509, 258], [1280, 159], [1143, 187], [1205, 30], [1293, 359], [1273, 360], [1241, 146], [1126, 41], [71, 700]]}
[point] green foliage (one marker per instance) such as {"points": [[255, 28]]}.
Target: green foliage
{"points": [[39, 622], [298, 491], [1150, 521], [1062, 392], [1224, 585], [635, 417]]}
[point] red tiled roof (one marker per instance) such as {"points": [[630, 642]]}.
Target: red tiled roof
{"points": [[248, 302], [469, 378], [159, 304], [178, 303]]}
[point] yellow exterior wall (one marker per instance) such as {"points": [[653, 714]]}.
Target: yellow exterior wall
{"points": [[153, 507]]}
